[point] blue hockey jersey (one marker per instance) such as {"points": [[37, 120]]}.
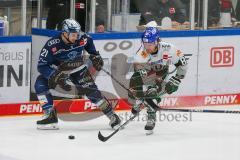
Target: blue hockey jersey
{"points": [[56, 52]]}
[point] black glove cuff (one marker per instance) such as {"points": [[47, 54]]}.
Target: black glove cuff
{"points": [[176, 79]]}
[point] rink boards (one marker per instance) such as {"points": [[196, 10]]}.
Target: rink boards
{"points": [[224, 102], [212, 78]]}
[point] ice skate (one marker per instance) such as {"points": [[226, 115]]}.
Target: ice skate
{"points": [[115, 121], [149, 127], [151, 119], [49, 121]]}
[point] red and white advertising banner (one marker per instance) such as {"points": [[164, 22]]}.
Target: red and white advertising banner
{"points": [[79, 105]]}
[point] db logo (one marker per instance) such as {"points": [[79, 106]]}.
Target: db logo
{"points": [[222, 56]]}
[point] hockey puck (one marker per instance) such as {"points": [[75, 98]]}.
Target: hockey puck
{"points": [[71, 137]]}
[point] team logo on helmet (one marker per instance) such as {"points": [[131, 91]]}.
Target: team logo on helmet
{"points": [[150, 35], [71, 26]]}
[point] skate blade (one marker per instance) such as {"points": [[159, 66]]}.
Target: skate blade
{"points": [[52, 126], [149, 132]]}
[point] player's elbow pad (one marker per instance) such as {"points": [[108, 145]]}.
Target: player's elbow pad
{"points": [[45, 71]]}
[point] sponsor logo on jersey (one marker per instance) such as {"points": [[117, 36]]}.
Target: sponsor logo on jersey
{"points": [[165, 56], [83, 42], [144, 54], [166, 47], [222, 57], [52, 42], [72, 55]]}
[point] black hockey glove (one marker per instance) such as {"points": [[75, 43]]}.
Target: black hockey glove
{"points": [[136, 108], [172, 85], [60, 79], [97, 61]]}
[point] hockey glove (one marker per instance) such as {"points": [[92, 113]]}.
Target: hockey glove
{"points": [[152, 93], [60, 79], [97, 61], [172, 85], [136, 107]]}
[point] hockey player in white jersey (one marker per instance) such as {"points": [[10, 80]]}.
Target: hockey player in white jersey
{"points": [[151, 74]]}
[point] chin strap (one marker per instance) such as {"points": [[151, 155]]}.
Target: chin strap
{"points": [[69, 42], [155, 51]]}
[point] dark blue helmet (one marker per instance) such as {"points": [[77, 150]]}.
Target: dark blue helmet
{"points": [[150, 35], [71, 26]]}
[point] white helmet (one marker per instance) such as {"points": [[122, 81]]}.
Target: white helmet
{"points": [[71, 26]]}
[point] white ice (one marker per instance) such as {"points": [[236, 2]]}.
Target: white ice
{"points": [[208, 136]]}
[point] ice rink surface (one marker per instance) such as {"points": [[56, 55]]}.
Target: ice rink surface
{"points": [[206, 136]]}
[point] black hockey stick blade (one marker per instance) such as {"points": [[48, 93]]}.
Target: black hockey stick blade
{"points": [[104, 139]]}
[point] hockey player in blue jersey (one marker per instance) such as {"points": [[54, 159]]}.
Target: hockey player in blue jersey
{"points": [[65, 52]]}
